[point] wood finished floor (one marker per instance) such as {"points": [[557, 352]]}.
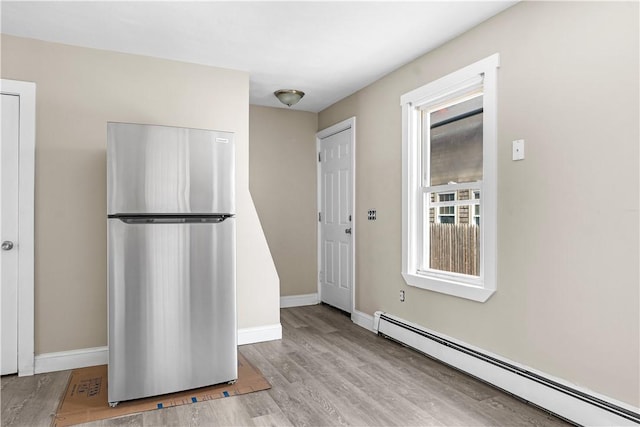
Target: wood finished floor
{"points": [[325, 371]]}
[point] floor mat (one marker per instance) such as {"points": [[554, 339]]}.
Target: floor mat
{"points": [[85, 398]]}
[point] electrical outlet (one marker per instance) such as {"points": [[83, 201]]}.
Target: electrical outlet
{"points": [[401, 296], [371, 215]]}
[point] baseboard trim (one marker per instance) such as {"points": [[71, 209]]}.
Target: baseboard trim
{"points": [[362, 319], [299, 300], [555, 395], [72, 359], [81, 358], [259, 334]]}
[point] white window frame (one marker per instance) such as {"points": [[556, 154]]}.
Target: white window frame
{"points": [[474, 288]]}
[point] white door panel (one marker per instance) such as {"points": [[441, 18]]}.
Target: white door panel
{"points": [[17, 153], [9, 232], [336, 257]]}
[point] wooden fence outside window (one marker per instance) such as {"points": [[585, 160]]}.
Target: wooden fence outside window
{"points": [[455, 248]]}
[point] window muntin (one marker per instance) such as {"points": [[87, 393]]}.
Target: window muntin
{"points": [[464, 100]]}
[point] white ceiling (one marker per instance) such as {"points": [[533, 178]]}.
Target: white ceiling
{"points": [[328, 49]]}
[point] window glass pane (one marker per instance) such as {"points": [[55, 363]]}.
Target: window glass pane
{"points": [[454, 237], [455, 142]]}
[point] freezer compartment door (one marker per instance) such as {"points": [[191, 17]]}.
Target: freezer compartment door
{"points": [[161, 169], [172, 307]]}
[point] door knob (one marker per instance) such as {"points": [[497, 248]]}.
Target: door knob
{"points": [[348, 231], [7, 245]]}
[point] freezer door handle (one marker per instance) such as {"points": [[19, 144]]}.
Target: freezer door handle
{"points": [[174, 220]]}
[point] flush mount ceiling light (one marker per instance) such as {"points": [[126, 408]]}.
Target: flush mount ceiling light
{"points": [[289, 97]]}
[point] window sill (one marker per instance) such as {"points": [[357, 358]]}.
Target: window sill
{"points": [[457, 289]]}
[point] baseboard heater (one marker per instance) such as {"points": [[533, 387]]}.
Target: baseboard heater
{"points": [[556, 396]]}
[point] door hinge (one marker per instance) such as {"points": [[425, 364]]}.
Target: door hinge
{"points": [[319, 216], [319, 157]]}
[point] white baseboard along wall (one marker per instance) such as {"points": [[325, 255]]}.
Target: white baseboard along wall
{"points": [[73, 359], [259, 334], [299, 300], [363, 320]]}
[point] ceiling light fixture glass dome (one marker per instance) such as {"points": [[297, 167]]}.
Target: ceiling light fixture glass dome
{"points": [[289, 97]]}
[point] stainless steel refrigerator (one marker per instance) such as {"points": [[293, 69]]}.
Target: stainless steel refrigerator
{"points": [[171, 259]]}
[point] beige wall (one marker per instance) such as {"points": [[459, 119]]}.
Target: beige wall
{"points": [[568, 284], [282, 177], [78, 91]]}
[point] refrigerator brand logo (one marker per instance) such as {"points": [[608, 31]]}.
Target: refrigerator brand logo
{"points": [[223, 140]]}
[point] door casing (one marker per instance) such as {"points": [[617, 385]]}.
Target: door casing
{"points": [[26, 177], [349, 123]]}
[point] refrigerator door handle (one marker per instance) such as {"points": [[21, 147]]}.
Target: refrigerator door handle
{"points": [[173, 220]]}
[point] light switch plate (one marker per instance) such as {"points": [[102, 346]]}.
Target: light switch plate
{"points": [[518, 149]]}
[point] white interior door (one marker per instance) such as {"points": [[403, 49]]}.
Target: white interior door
{"points": [[17, 173], [9, 232], [336, 225]]}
